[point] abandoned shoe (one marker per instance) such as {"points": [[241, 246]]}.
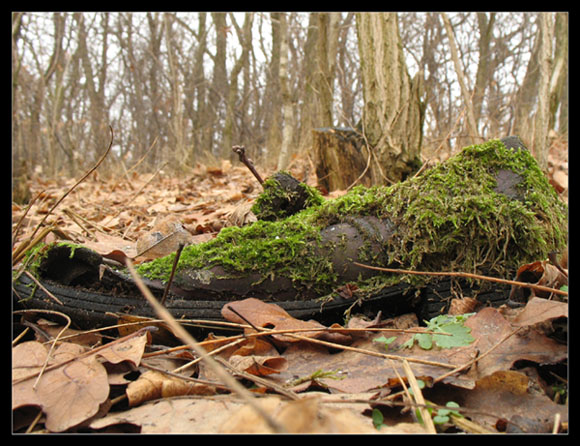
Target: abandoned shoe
{"points": [[487, 210]]}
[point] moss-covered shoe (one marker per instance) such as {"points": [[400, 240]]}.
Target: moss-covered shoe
{"points": [[487, 210]]}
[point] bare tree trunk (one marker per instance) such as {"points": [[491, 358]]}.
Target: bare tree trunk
{"points": [[527, 94], [219, 83], [177, 120], [542, 120], [287, 102], [560, 67], [392, 113], [484, 66], [471, 122], [308, 119], [245, 37], [327, 49]]}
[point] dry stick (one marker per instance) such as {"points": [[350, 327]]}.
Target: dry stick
{"points": [[466, 275], [227, 379], [15, 232], [20, 251], [48, 293], [371, 352], [170, 281], [84, 177], [427, 420], [241, 151]]}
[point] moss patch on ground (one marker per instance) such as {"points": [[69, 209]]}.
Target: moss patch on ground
{"points": [[450, 218]]}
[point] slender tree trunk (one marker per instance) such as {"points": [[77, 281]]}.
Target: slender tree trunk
{"points": [[308, 105], [392, 113], [245, 37], [219, 82], [542, 119], [471, 122], [177, 121], [484, 65], [527, 94], [327, 49], [287, 102], [560, 68]]}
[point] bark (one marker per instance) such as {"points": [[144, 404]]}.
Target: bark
{"points": [[327, 50], [245, 38], [341, 160], [560, 70], [219, 82], [392, 112], [273, 117], [527, 94], [459, 70], [309, 103], [484, 66], [542, 118], [287, 100]]}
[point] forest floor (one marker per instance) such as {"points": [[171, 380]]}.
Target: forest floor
{"points": [[512, 376]]}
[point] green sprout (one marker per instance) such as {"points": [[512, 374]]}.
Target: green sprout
{"points": [[453, 333]]}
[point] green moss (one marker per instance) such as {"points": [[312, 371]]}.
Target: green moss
{"points": [[449, 218], [284, 196]]}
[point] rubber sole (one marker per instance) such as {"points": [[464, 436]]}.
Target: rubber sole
{"points": [[89, 309]]}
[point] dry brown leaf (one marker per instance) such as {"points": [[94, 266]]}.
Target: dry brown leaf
{"points": [[175, 416], [262, 314], [505, 394], [259, 365], [163, 239], [304, 416], [539, 310], [152, 385], [68, 395], [73, 391]]}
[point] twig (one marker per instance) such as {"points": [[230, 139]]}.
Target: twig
{"points": [[173, 268], [467, 276], [21, 219], [371, 352], [20, 251], [227, 379], [418, 396], [48, 293], [241, 151], [91, 170]]}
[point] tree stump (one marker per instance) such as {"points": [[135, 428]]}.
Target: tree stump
{"points": [[340, 158]]}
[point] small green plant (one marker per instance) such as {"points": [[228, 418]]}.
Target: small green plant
{"points": [[385, 341], [454, 333], [378, 419], [443, 415]]}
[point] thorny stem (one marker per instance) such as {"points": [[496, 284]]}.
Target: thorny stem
{"points": [[241, 151]]}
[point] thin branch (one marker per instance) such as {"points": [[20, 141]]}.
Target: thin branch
{"points": [[467, 276]]}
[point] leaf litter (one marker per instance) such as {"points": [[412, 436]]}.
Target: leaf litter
{"points": [[311, 378]]}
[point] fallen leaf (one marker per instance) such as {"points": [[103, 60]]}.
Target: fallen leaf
{"points": [[73, 391], [181, 415], [505, 395], [152, 385], [539, 310], [68, 395], [262, 314], [163, 239], [304, 416]]}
